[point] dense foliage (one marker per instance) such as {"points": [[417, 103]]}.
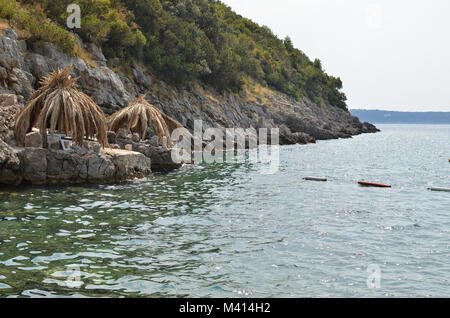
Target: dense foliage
{"points": [[198, 40], [36, 26]]}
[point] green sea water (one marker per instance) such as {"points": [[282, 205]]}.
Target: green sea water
{"points": [[226, 230]]}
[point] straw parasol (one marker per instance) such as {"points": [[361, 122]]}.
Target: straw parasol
{"points": [[59, 106], [139, 115]]}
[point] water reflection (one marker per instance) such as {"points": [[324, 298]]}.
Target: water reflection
{"points": [[226, 230]]}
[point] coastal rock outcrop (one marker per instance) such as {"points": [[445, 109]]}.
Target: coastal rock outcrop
{"points": [[46, 166], [160, 155], [109, 165], [300, 121]]}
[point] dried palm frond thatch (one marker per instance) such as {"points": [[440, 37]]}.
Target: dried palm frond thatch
{"points": [[139, 115], [59, 106]]}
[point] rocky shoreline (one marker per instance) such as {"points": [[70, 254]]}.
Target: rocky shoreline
{"points": [[126, 157], [21, 67], [46, 166]]}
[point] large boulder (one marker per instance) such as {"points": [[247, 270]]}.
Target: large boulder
{"points": [[76, 166], [101, 168], [82, 165], [161, 157], [129, 164], [66, 167], [34, 165], [43, 166]]}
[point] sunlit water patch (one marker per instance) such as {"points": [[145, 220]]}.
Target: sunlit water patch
{"points": [[225, 230]]}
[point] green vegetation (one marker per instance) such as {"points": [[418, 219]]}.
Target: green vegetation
{"points": [[36, 26], [185, 41]]}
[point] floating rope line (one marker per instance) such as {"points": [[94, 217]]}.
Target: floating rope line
{"points": [[368, 184]]}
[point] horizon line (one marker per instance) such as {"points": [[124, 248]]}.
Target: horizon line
{"points": [[401, 111]]}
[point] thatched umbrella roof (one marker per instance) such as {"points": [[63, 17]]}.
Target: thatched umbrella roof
{"points": [[59, 106], [139, 115]]}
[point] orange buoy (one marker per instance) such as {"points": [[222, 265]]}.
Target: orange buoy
{"points": [[373, 184]]}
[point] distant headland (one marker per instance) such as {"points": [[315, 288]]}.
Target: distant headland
{"points": [[395, 117]]}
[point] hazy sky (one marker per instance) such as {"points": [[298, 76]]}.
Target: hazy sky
{"points": [[392, 55]]}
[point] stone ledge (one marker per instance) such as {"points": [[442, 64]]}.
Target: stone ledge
{"points": [[161, 156], [44, 166]]}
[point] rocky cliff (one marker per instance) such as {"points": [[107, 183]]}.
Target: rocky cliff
{"points": [[21, 67]]}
